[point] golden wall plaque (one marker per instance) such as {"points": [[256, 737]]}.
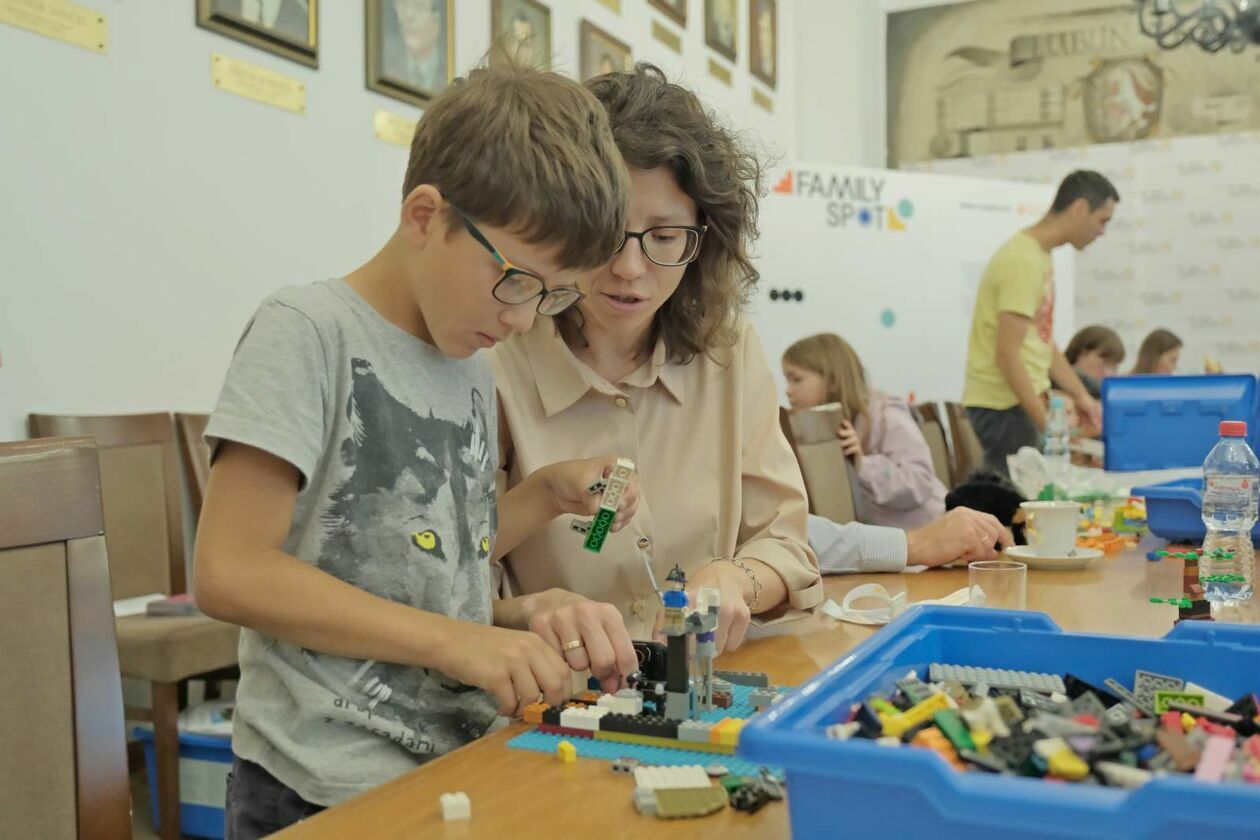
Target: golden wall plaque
{"points": [[393, 128], [719, 72], [615, 5], [58, 19], [667, 36], [257, 83], [762, 101]]}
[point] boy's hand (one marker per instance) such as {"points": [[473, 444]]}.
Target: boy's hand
{"points": [[517, 667], [569, 483], [605, 644], [734, 615]]}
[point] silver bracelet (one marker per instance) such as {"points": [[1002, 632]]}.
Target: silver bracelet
{"points": [[740, 564]]}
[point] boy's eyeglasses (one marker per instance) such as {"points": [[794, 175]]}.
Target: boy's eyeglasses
{"points": [[517, 285], [667, 245]]}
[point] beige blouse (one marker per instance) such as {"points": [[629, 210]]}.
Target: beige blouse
{"points": [[716, 475]]}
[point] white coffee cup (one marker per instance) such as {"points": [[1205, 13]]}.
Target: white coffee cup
{"points": [[1051, 527]]}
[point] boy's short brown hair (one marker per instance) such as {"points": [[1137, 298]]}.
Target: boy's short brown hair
{"points": [[530, 152]]}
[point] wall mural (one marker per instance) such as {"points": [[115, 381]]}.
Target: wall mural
{"points": [[997, 76]]}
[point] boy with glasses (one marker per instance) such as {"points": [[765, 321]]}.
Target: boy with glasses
{"points": [[351, 515]]}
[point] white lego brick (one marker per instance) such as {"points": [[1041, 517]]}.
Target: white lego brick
{"points": [[455, 806], [694, 730], [1212, 701], [621, 705], [671, 778], [582, 718], [617, 481]]}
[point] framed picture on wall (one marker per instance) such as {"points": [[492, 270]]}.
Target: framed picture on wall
{"points": [[721, 27], [410, 48], [676, 10], [523, 27], [763, 40], [600, 53], [287, 28]]}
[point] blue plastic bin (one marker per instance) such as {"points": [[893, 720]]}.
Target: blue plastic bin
{"points": [[1161, 422], [1174, 510], [201, 788], [857, 788]]}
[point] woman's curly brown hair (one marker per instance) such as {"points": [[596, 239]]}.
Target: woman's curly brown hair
{"points": [[658, 123]]}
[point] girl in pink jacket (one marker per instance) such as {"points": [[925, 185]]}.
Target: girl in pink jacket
{"points": [[895, 478]]}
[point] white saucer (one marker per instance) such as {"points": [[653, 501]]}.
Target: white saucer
{"points": [[1079, 559]]}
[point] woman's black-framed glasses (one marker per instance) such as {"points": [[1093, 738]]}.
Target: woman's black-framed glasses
{"points": [[517, 285], [667, 245]]}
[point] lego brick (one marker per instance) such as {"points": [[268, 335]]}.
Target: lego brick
{"points": [[582, 718], [1075, 687], [1146, 683], [614, 722], [895, 725], [1215, 758], [915, 690], [694, 730], [455, 806], [694, 802], [756, 679], [1227, 718], [762, 698], [716, 771], [587, 697], [1184, 756], [665, 777], [533, 713], [995, 677], [645, 801], [621, 705], [1122, 775], [951, 724], [843, 731], [670, 743], [566, 731], [566, 752], [598, 530], [625, 764], [1162, 699], [983, 761], [1088, 703], [1127, 696], [1013, 751], [750, 798], [1009, 710], [1035, 701], [1212, 701], [551, 716]]}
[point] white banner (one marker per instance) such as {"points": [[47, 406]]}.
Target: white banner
{"points": [[890, 261]]}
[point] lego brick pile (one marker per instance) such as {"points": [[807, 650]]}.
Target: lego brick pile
{"points": [[1113, 531], [1063, 728]]}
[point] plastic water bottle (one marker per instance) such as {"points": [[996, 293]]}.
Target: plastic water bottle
{"points": [[1055, 446], [1231, 493]]}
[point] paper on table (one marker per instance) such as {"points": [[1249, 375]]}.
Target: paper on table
{"points": [[888, 606], [124, 607]]}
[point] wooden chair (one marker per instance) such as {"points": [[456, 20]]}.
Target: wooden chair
{"points": [[196, 455], [145, 532], [968, 452], [64, 770], [934, 433], [828, 475]]}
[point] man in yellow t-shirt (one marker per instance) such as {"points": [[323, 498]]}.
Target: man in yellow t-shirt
{"points": [[1011, 354]]}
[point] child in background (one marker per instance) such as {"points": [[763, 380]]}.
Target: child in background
{"points": [[893, 464], [1159, 353], [1095, 353]]}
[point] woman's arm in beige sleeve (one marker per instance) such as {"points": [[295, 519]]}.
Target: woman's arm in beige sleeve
{"points": [[773, 519]]}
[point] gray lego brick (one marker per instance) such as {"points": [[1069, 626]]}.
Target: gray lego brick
{"points": [[1146, 683], [995, 677], [751, 678]]}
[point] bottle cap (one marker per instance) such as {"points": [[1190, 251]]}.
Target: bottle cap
{"points": [[1233, 428], [1057, 402]]}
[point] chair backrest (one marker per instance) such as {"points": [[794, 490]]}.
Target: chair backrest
{"points": [[64, 771], [968, 452], [828, 482], [934, 433], [140, 490], [192, 447]]}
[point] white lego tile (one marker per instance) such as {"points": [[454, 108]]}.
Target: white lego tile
{"points": [[671, 778]]}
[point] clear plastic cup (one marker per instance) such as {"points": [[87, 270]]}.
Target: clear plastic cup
{"points": [[1000, 584]]}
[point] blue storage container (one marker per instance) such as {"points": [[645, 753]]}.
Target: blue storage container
{"points": [[1174, 510], [204, 762], [1161, 422], [857, 788]]}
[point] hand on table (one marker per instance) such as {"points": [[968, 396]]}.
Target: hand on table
{"points": [[962, 534]]}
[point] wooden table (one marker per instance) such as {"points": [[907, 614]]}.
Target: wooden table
{"points": [[519, 793]]}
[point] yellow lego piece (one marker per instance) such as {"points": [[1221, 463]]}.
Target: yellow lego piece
{"points": [[716, 732], [981, 738], [728, 732], [669, 743], [895, 725], [1187, 721], [1067, 765], [566, 752]]}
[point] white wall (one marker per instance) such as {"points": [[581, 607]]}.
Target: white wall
{"points": [[143, 215]]}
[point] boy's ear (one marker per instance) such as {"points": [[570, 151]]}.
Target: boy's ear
{"points": [[420, 212]]}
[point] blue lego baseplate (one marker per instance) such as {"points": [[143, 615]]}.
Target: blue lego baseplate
{"points": [[612, 750]]}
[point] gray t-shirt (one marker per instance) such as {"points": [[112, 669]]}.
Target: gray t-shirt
{"points": [[394, 443]]}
